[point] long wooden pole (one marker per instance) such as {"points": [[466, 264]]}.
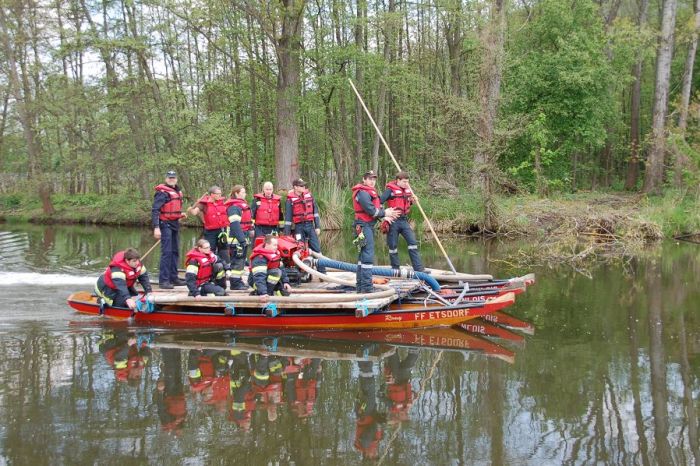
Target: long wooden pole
{"points": [[149, 251], [388, 149]]}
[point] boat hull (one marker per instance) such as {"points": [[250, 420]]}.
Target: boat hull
{"points": [[395, 316]]}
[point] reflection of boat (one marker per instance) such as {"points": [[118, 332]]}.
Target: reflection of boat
{"points": [[482, 327], [346, 345], [511, 322], [341, 315]]}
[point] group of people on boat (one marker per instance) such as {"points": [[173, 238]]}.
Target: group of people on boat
{"points": [[229, 226]]}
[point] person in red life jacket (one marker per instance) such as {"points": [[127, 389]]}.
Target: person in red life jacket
{"points": [[204, 273], [267, 276], [169, 395], [368, 208], [301, 385], [368, 426], [240, 223], [399, 196], [127, 358], [207, 371], [212, 207], [397, 374], [165, 216], [301, 213], [268, 217], [116, 285]]}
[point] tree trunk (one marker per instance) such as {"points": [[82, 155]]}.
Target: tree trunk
{"points": [[381, 100], [653, 179], [489, 95], [359, 79], [288, 47]]}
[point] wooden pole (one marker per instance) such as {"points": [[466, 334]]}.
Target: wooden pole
{"points": [[150, 250], [386, 146]]}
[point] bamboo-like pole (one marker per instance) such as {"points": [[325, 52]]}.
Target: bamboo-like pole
{"points": [[150, 250], [388, 149]]}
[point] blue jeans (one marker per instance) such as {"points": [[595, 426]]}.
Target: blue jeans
{"points": [[308, 232], [365, 260], [401, 227], [262, 230], [169, 251]]}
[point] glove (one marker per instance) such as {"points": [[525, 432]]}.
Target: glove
{"points": [[360, 241], [237, 250], [384, 227], [222, 239]]}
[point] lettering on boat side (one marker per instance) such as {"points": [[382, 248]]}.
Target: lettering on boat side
{"points": [[475, 328], [490, 318], [448, 314], [441, 341], [390, 318], [393, 337]]}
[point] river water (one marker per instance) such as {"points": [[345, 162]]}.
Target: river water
{"points": [[602, 370]]}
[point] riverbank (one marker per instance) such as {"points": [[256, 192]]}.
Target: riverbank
{"points": [[617, 217]]}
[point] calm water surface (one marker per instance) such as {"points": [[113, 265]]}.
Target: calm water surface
{"points": [[606, 372]]}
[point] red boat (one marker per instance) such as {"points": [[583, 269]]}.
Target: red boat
{"points": [[333, 316]]}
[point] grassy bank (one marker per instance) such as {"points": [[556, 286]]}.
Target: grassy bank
{"points": [[596, 216]]}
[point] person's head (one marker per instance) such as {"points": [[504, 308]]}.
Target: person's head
{"points": [[370, 178], [238, 192], [132, 257], [268, 188], [215, 193], [171, 178], [271, 242], [299, 186], [402, 179], [203, 245]]}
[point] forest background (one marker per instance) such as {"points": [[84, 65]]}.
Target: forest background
{"points": [[502, 111]]}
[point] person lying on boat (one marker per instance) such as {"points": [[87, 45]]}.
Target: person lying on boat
{"points": [[204, 273], [116, 285], [267, 277]]}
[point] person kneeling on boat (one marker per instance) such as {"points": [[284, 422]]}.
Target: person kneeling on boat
{"points": [[267, 277], [116, 285], [205, 273]]}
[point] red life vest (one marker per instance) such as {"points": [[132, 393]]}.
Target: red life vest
{"points": [[171, 210], [205, 263], [302, 207], [246, 222], [268, 210], [132, 273], [214, 213], [360, 213], [400, 198], [273, 257]]}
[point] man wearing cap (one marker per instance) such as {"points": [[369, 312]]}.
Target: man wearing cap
{"points": [[398, 195], [301, 211], [266, 211], [368, 208], [165, 216]]}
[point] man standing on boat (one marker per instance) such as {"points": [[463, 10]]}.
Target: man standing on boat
{"points": [[213, 209], [239, 214], [267, 275], [116, 285], [267, 211], [399, 196], [204, 274], [301, 212], [165, 216], [368, 208]]}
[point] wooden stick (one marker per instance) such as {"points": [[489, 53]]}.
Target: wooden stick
{"points": [[149, 251], [386, 146]]}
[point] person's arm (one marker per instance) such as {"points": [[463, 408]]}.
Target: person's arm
{"points": [[365, 201], [280, 224], [145, 280], [317, 218], [191, 277], [234, 216], [159, 200], [386, 195], [259, 271], [288, 217]]}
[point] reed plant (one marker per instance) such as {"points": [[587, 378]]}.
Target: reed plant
{"points": [[334, 203]]}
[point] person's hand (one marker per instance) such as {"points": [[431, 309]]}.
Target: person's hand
{"points": [[287, 287], [318, 231], [198, 297], [251, 233], [131, 304], [391, 213], [184, 216], [156, 233], [131, 341], [264, 298]]}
